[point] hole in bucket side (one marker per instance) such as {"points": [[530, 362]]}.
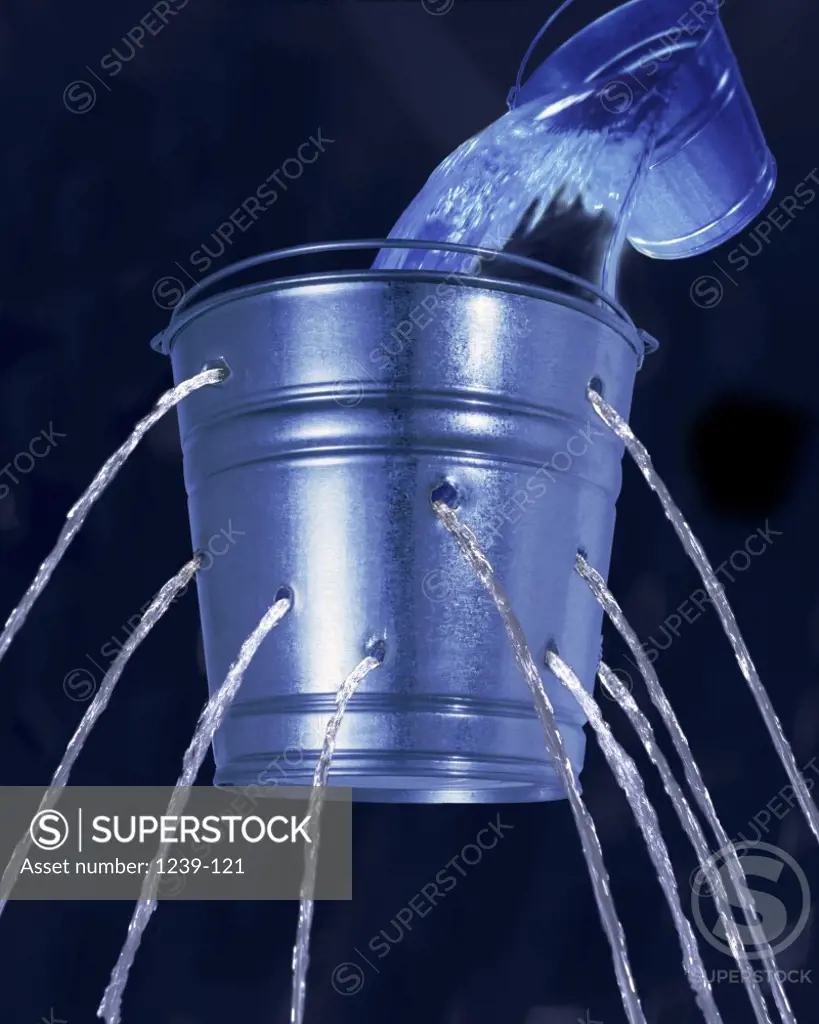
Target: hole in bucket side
{"points": [[218, 364], [551, 648], [376, 647], [446, 493], [596, 384]]}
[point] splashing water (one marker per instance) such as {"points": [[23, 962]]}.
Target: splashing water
{"points": [[209, 721], [716, 592], [301, 950], [628, 777], [693, 830], [154, 613], [79, 513], [692, 773], [535, 158], [590, 842]]}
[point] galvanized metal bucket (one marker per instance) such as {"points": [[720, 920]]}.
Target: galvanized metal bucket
{"points": [[352, 396]]}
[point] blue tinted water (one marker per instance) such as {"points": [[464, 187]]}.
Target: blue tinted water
{"points": [[536, 152]]}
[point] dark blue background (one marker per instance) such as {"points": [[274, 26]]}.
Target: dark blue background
{"points": [[96, 207]]}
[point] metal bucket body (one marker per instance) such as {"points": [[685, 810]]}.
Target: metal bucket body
{"points": [[351, 398]]}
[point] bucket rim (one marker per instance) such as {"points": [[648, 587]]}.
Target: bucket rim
{"points": [[192, 305]]}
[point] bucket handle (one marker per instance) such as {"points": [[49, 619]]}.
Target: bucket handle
{"points": [[313, 248], [514, 92]]}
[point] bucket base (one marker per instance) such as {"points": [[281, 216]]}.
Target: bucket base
{"points": [[413, 779], [418, 790]]}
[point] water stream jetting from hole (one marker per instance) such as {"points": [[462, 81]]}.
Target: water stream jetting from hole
{"points": [[693, 776], [301, 948], [716, 592], [627, 775], [79, 512], [693, 830], [157, 608], [209, 721], [628, 778], [589, 840]]}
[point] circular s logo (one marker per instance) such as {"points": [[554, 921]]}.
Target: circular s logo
{"points": [[777, 887], [706, 292], [348, 979], [168, 292], [79, 97], [616, 97], [624, 678], [437, 585], [169, 886], [437, 7], [48, 830], [348, 393], [79, 685]]}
